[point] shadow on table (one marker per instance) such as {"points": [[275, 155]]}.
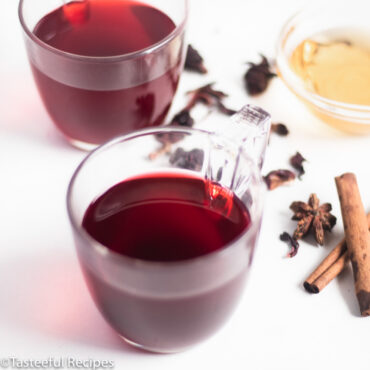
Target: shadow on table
{"points": [[346, 286], [46, 294]]}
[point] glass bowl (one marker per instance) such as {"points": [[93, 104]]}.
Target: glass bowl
{"points": [[351, 118]]}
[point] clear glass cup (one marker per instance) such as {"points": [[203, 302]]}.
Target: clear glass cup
{"points": [[169, 306], [93, 99]]}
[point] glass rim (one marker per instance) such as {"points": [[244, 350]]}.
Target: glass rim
{"points": [[180, 28], [105, 251], [358, 112]]}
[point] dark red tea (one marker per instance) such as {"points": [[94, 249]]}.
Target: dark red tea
{"points": [[168, 218], [105, 28], [165, 218]]}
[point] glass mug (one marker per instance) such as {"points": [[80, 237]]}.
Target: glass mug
{"points": [[92, 99], [160, 306]]}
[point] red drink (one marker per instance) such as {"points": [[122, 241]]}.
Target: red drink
{"points": [[91, 98], [168, 219], [165, 218]]}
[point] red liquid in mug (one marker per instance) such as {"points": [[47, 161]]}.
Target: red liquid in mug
{"points": [[166, 218], [101, 28]]}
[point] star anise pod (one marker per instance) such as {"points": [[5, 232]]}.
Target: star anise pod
{"points": [[258, 77], [312, 216], [194, 61]]}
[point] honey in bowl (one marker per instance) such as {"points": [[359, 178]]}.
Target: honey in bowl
{"points": [[335, 65], [329, 70]]}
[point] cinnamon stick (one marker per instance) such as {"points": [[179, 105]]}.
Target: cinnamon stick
{"points": [[357, 237], [330, 267], [326, 270]]}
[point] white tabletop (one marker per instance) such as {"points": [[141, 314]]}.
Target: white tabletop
{"points": [[45, 309]]}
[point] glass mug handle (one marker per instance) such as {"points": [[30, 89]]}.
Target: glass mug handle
{"points": [[250, 128]]}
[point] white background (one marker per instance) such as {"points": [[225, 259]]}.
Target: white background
{"points": [[45, 309]]}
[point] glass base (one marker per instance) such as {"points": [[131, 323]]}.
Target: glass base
{"points": [[82, 145], [147, 349]]}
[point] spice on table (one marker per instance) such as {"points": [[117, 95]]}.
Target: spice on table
{"points": [[194, 61], [278, 178], [297, 163], [190, 160], [312, 216], [225, 110], [210, 97], [164, 149], [279, 129], [169, 138], [357, 237], [183, 119], [258, 77], [293, 243], [206, 95], [330, 267]]}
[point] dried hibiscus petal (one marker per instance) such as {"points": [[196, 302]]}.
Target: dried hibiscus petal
{"points": [[223, 109], [279, 129], [210, 97], [164, 149], [169, 137], [258, 77], [190, 160], [183, 119], [293, 243], [279, 177], [194, 61], [297, 163]]}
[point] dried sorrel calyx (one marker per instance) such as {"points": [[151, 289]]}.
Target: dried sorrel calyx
{"points": [[210, 97], [194, 61], [278, 178], [183, 119], [297, 163], [279, 129], [205, 95], [223, 109], [258, 77], [293, 243], [190, 160], [169, 137]]}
